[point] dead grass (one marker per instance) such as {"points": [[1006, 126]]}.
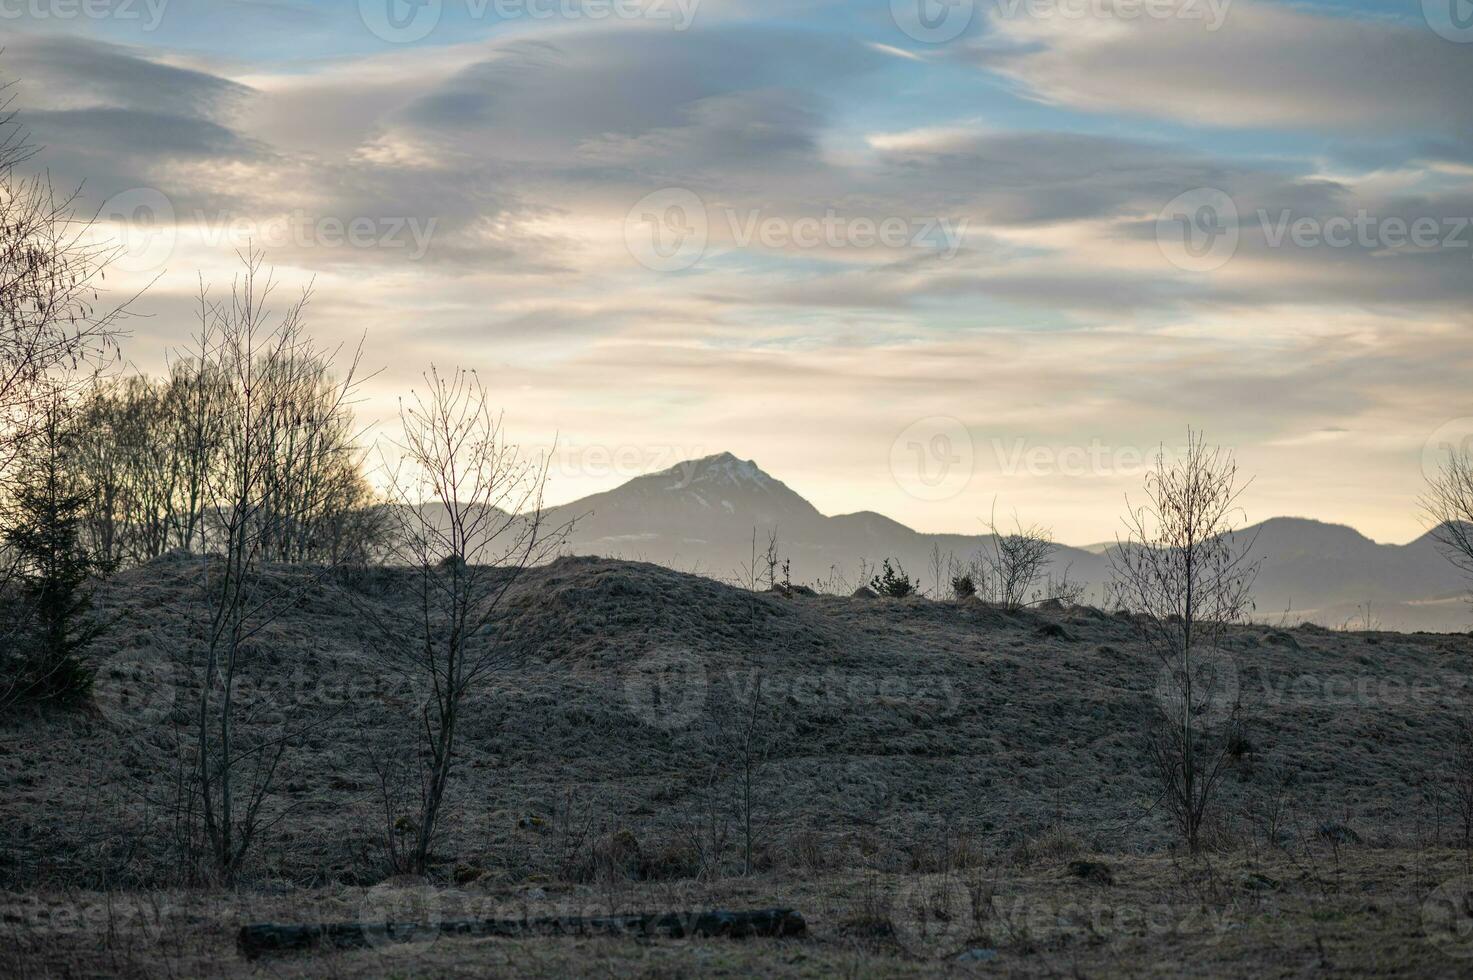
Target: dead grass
{"points": [[1232, 915], [946, 745]]}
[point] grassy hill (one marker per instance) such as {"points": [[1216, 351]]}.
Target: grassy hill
{"points": [[896, 741]]}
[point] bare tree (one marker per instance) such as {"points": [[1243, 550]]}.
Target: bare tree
{"points": [[1448, 505], [753, 744], [1461, 773], [51, 268], [261, 365], [738, 737], [153, 448], [469, 515], [1187, 578]]}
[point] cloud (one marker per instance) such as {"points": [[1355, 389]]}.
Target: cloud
{"points": [[1058, 316], [1267, 66], [63, 73]]}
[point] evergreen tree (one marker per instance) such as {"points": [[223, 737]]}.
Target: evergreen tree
{"points": [[54, 568]]}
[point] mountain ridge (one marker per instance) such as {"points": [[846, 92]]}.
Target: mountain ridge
{"points": [[711, 513]]}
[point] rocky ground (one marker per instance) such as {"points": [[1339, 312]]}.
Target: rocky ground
{"points": [[909, 754]]}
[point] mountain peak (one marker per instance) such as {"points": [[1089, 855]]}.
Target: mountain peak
{"points": [[720, 470]]}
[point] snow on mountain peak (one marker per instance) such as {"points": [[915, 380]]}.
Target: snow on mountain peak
{"points": [[721, 470]]}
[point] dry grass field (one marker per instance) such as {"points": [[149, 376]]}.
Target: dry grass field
{"points": [[937, 787]]}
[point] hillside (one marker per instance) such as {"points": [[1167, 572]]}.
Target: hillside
{"points": [[899, 740], [891, 720]]}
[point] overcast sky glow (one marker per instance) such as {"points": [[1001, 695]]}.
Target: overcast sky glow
{"points": [[907, 256]]}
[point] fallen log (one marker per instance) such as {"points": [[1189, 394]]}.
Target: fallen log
{"points": [[262, 938]]}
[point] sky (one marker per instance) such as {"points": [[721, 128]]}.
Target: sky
{"points": [[921, 257]]}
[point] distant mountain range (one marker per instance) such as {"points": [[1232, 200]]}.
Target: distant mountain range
{"points": [[700, 516]]}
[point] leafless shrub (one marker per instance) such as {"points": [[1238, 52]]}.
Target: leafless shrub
{"points": [[1061, 588], [1187, 579], [944, 570], [707, 820], [1364, 620], [468, 511], [1052, 845], [731, 805], [944, 850], [760, 572], [1014, 563]]}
